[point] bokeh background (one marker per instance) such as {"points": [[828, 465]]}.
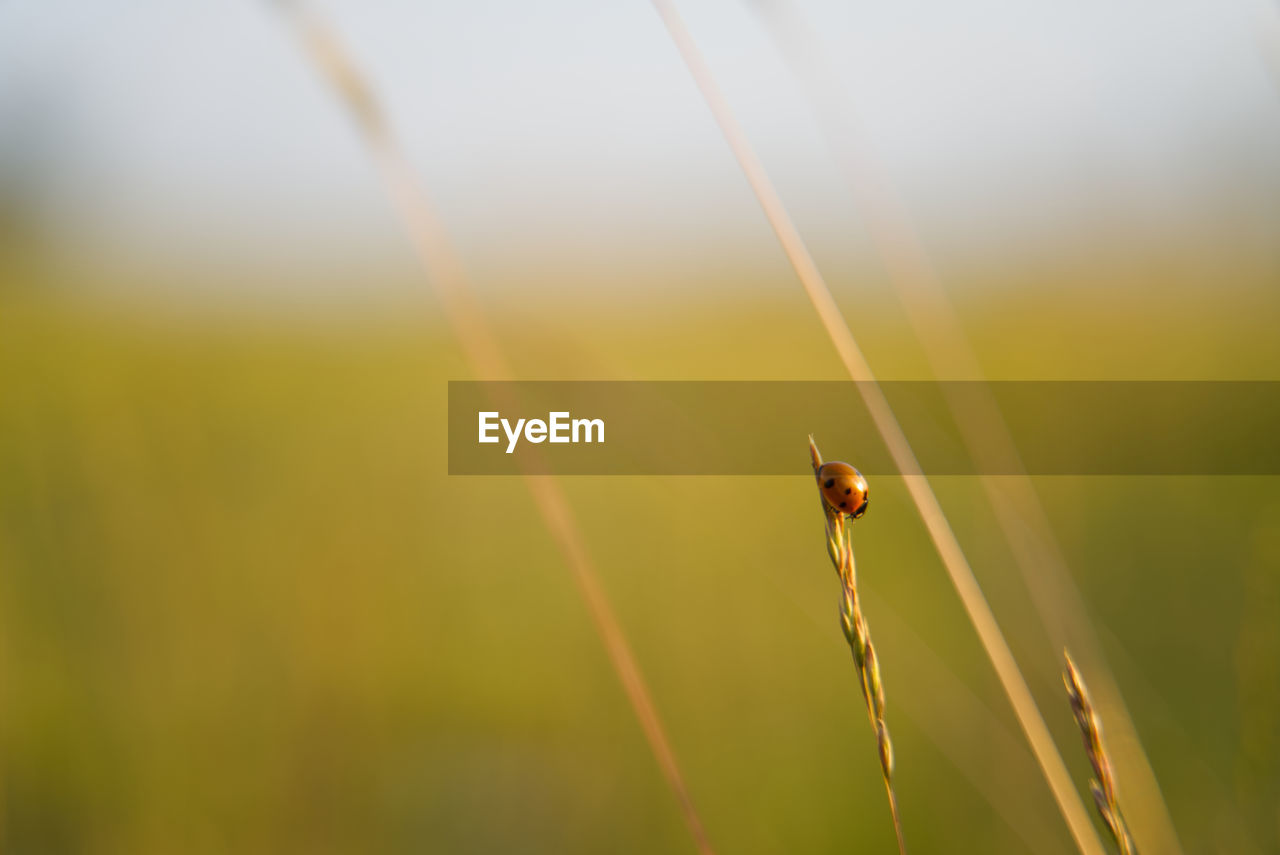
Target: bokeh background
{"points": [[243, 607]]}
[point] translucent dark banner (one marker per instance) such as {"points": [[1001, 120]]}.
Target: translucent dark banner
{"points": [[955, 428]]}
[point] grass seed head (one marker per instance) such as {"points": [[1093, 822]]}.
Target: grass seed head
{"points": [[1102, 786], [843, 493]]}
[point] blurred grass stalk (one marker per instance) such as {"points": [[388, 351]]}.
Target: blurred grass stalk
{"points": [[985, 433], [484, 355], [1266, 17], [953, 558]]}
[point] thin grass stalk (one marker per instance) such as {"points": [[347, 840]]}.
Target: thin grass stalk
{"points": [[1103, 785], [984, 430], [887, 425], [487, 361], [858, 634]]}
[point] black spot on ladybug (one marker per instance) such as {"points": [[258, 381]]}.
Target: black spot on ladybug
{"points": [[844, 504], [831, 482], [848, 490]]}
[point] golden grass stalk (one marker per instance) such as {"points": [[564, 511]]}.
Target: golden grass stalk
{"points": [[984, 430], [858, 634], [887, 425], [1103, 785], [486, 359]]}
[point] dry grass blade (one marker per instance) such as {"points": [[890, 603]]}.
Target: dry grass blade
{"points": [[887, 425], [937, 326], [485, 358], [857, 633], [1103, 786]]}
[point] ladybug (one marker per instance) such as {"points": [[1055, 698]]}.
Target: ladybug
{"points": [[843, 488]]}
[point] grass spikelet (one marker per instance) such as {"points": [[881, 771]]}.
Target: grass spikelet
{"points": [[856, 632], [1103, 785]]}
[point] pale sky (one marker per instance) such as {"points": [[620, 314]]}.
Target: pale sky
{"points": [[144, 124]]}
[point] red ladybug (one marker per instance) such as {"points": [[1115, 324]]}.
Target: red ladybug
{"points": [[844, 488]]}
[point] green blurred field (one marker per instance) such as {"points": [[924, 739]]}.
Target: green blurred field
{"points": [[245, 609]]}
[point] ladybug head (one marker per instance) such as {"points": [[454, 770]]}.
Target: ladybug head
{"points": [[862, 508]]}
